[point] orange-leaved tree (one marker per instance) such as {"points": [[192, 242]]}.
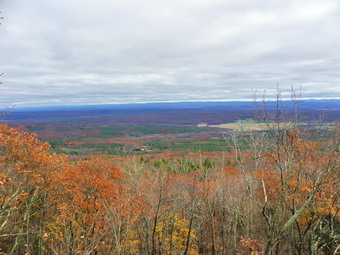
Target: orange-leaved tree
{"points": [[82, 193], [27, 168]]}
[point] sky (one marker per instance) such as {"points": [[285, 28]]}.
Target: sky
{"points": [[129, 51]]}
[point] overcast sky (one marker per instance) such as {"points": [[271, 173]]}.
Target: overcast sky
{"points": [[124, 51]]}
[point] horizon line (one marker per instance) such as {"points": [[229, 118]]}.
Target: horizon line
{"points": [[271, 99]]}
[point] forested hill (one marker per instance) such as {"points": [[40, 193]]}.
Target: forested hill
{"points": [[170, 113]]}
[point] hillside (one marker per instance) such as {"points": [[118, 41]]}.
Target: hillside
{"points": [[153, 181]]}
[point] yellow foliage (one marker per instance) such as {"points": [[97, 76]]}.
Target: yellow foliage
{"points": [[173, 230], [132, 242]]}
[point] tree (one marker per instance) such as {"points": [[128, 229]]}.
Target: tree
{"points": [[288, 176], [82, 192], [27, 168]]}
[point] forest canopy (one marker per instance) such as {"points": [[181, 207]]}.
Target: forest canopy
{"points": [[280, 193]]}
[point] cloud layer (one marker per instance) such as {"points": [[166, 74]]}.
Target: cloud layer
{"points": [[125, 51]]}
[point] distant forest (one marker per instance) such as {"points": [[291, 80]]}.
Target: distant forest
{"points": [[83, 182]]}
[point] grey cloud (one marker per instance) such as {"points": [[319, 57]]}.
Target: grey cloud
{"points": [[82, 51]]}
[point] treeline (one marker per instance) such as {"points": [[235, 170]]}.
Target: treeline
{"points": [[279, 197]]}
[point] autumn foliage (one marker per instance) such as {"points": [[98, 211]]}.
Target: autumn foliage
{"points": [[281, 200]]}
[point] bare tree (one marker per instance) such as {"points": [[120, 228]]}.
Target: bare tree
{"points": [[287, 174]]}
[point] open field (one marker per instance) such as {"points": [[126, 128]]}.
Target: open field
{"points": [[252, 125], [241, 125]]}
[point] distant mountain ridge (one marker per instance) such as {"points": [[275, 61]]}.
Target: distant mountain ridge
{"points": [[182, 113], [311, 104]]}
